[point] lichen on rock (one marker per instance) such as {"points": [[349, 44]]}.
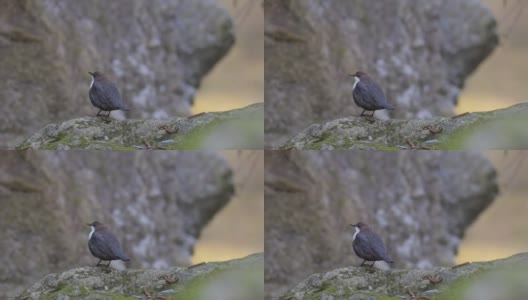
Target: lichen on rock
{"points": [[237, 279], [498, 129], [235, 129], [493, 280]]}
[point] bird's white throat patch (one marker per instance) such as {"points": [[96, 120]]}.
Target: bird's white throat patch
{"points": [[356, 81], [353, 238], [91, 84], [93, 230]]}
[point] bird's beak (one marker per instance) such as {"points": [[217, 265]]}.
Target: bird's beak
{"points": [[89, 224], [91, 73]]}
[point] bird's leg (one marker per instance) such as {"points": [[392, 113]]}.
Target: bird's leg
{"points": [[373, 263], [362, 113], [98, 114], [372, 113], [109, 262], [362, 263], [99, 263], [108, 115]]}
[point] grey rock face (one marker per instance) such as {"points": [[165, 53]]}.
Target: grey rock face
{"points": [[158, 202], [156, 52], [420, 203], [310, 45]]}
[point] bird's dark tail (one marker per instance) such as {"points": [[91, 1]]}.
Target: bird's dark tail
{"points": [[124, 258], [387, 259]]}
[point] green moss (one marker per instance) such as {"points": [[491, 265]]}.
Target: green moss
{"points": [[194, 139], [64, 289], [66, 140], [117, 296], [61, 289], [382, 146], [193, 289], [63, 139], [327, 289], [457, 139], [332, 140], [115, 146], [332, 291], [326, 140], [244, 128], [454, 291]]}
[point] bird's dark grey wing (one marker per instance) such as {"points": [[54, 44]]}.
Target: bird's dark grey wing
{"points": [[110, 93], [108, 243], [362, 97], [363, 247], [378, 246], [375, 94], [99, 248], [100, 99]]}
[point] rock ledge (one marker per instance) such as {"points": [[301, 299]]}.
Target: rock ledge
{"points": [[493, 280], [498, 129], [234, 279], [234, 129]]}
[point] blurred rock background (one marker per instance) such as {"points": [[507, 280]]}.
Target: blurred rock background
{"points": [[501, 230], [157, 203], [224, 238], [238, 79], [500, 80]]}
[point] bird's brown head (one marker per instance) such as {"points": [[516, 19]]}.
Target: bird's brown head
{"points": [[97, 225], [97, 75], [360, 75], [360, 225]]}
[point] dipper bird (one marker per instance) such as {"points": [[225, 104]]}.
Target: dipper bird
{"points": [[368, 94], [368, 245], [104, 94], [104, 245]]}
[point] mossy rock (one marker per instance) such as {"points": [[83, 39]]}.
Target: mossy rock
{"points": [[493, 280], [499, 129], [236, 129], [237, 279]]}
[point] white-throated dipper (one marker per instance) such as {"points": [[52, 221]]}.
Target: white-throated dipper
{"points": [[104, 94], [368, 245], [368, 94], [104, 245]]}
